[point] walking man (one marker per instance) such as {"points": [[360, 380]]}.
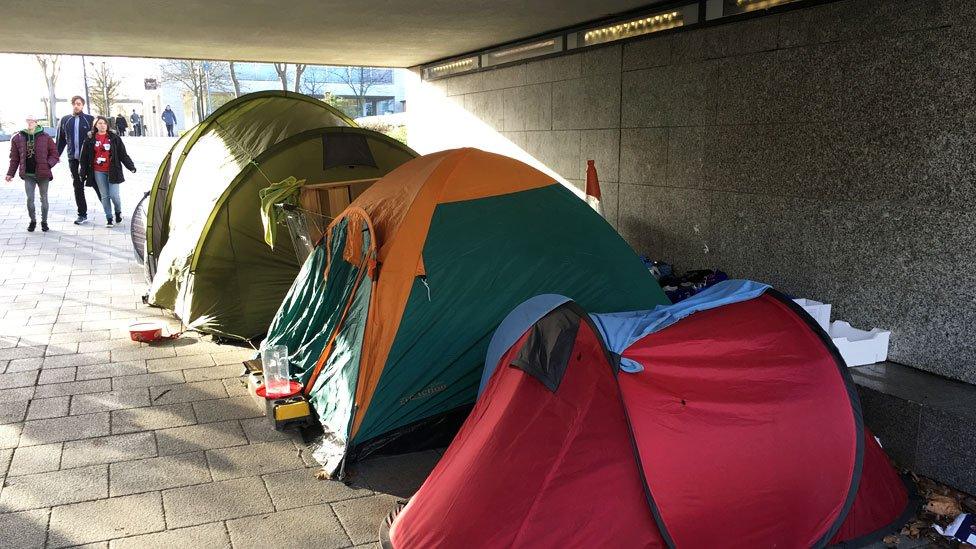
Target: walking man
{"points": [[136, 123], [33, 153], [121, 124], [169, 118], [72, 130]]}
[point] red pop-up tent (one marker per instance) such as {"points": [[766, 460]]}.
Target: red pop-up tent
{"points": [[735, 426]]}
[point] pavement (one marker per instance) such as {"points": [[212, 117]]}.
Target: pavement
{"points": [[105, 442]]}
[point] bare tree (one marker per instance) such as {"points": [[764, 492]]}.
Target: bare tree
{"points": [[360, 80], [105, 88], [299, 70], [233, 77], [311, 86], [200, 78], [282, 70], [51, 67]]}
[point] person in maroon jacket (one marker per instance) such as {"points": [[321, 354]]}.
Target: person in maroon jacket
{"points": [[34, 153]]}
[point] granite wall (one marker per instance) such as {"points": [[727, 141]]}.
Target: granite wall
{"points": [[828, 151]]}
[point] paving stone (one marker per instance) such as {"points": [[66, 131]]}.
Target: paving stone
{"points": [[29, 460], [113, 369], [19, 394], [55, 488], [12, 412], [5, 457], [259, 429], [10, 435], [289, 529], [148, 380], [253, 459], [189, 345], [361, 517], [160, 473], [240, 407], [216, 501], [215, 372], [179, 363], [233, 357], [66, 361], [187, 392], [24, 364], [199, 437], [45, 431], [18, 379], [152, 417], [106, 519], [104, 345], [142, 353], [204, 536], [234, 386], [57, 375], [113, 400], [108, 449], [74, 388], [13, 353], [46, 408], [298, 488], [24, 529]]}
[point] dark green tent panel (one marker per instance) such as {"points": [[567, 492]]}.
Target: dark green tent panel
{"points": [[214, 268]]}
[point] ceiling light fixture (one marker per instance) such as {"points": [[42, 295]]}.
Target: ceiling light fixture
{"points": [[451, 68], [742, 6], [634, 27], [522, 51]]}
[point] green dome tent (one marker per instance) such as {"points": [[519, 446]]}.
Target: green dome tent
{"points": [[206, 254]]}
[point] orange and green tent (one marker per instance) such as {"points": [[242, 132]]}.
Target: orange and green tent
{"points": [[388, 322]]}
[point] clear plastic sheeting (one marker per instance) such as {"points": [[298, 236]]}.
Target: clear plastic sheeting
{"points": [[328, 451], [301, 240]]}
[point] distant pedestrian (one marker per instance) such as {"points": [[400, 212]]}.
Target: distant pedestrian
{"points": [[121, 124], [71, 132], [34, 153], [102, 158], [136, 123], [169, 118]]}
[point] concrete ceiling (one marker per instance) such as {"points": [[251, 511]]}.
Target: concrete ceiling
{"points": [[394, 33]]}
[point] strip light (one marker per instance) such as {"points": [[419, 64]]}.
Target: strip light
{"points": [[636, 27], [750, 5], [453, 67], [523, 51]]}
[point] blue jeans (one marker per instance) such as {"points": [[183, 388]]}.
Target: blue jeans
{"points": [[110, 194]]}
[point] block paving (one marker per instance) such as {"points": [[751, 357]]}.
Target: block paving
{"points": [[109, 443]]}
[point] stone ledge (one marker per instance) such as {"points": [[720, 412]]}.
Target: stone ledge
{"points": [[924, 421]]}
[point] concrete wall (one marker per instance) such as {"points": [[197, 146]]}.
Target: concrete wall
{"points": [[828, 151]]}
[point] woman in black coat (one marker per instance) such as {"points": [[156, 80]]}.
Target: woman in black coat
{"points": [[102, 157]]}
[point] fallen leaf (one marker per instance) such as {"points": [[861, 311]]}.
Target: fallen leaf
{"points": [[890, 540], [322, 474], [943, 506]]}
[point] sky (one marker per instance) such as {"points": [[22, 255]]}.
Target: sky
{"points": [[23, 83]]}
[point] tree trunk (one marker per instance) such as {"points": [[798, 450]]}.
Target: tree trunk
{"points": [[299, 70], [233, 77]]}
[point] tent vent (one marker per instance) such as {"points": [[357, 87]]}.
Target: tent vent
{"points": [[346, 149]]}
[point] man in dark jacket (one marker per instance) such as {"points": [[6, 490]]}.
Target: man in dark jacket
{"points": [[169, 118], [121, 124], [71, 133], [33, 153], [136, 123]]}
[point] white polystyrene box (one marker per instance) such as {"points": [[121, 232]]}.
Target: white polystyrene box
{"points": [[819, 311], [859, 347]]}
